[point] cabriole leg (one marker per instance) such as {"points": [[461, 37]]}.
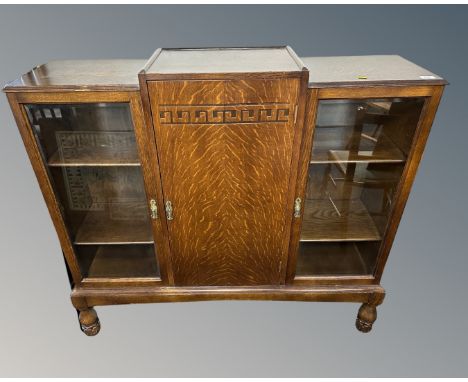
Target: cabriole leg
{"points": [[366, 317], [89, 322]]}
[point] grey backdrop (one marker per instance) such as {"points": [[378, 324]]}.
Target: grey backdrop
{"points": [[422, 327]]}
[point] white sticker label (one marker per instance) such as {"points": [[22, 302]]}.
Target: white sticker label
{"points": [[427, 77]]}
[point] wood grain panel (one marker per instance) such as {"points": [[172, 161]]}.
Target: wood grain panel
{"points": [[225, 150]]}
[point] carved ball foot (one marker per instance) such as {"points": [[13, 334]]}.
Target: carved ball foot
{"points": [[89, 322], [366, 317]]}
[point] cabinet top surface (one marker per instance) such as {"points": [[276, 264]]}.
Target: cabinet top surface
{"points": [[123, 74], [223, 60], [366, 70], [112, 74]]}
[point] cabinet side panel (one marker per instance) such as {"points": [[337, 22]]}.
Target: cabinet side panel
{"points": [[225, 152]]}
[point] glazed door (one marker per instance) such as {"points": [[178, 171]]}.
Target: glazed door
{"points": [[225, 150], [90, 153], [359, 152]]}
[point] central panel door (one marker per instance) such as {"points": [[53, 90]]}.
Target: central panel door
{"points": [[225, 150]]}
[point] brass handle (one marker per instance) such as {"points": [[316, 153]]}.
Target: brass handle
{"points": [[297, 208], [169, 215], [154, 209]]}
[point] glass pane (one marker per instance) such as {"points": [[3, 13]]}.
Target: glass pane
{"points": [[85, 134], [359, 151], [93, 162], [117, 261]]}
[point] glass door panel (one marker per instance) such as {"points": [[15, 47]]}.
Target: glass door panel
{"points": [[93, 162], [359, 152]]}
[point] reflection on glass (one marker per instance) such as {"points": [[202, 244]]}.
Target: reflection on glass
{"points": [[92, 157], [359, 151]]}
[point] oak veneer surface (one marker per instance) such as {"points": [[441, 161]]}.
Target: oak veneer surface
{"points": [[366, 70], [223, 61], [225, 150]]}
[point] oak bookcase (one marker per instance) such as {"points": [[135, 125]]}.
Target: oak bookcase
{"points": [[226, 173]]}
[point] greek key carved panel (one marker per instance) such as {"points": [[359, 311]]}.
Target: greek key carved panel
{"points": [[224, 114]]}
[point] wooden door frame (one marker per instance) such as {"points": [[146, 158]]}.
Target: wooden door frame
{"points": [[433, 94], [132, 98], [302, 75]]}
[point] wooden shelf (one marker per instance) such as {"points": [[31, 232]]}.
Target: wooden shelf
{"points": [[124, 261], [98, 228], [328, 259], [330, 143], [337, 220]]}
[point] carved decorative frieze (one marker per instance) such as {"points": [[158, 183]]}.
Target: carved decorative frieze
{"points": [[224, 114]]}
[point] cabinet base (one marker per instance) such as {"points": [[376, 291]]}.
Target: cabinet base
{"points": [[83, 298]]}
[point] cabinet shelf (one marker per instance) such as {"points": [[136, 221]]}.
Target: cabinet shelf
{"points": [[129, 261], [98, 228], [95, 148], [324, 259], [330, 146], [94, 159], [371, 173], [337, 220]]}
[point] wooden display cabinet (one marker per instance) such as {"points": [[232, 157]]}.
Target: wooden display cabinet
{"points": [[230, 173]]}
